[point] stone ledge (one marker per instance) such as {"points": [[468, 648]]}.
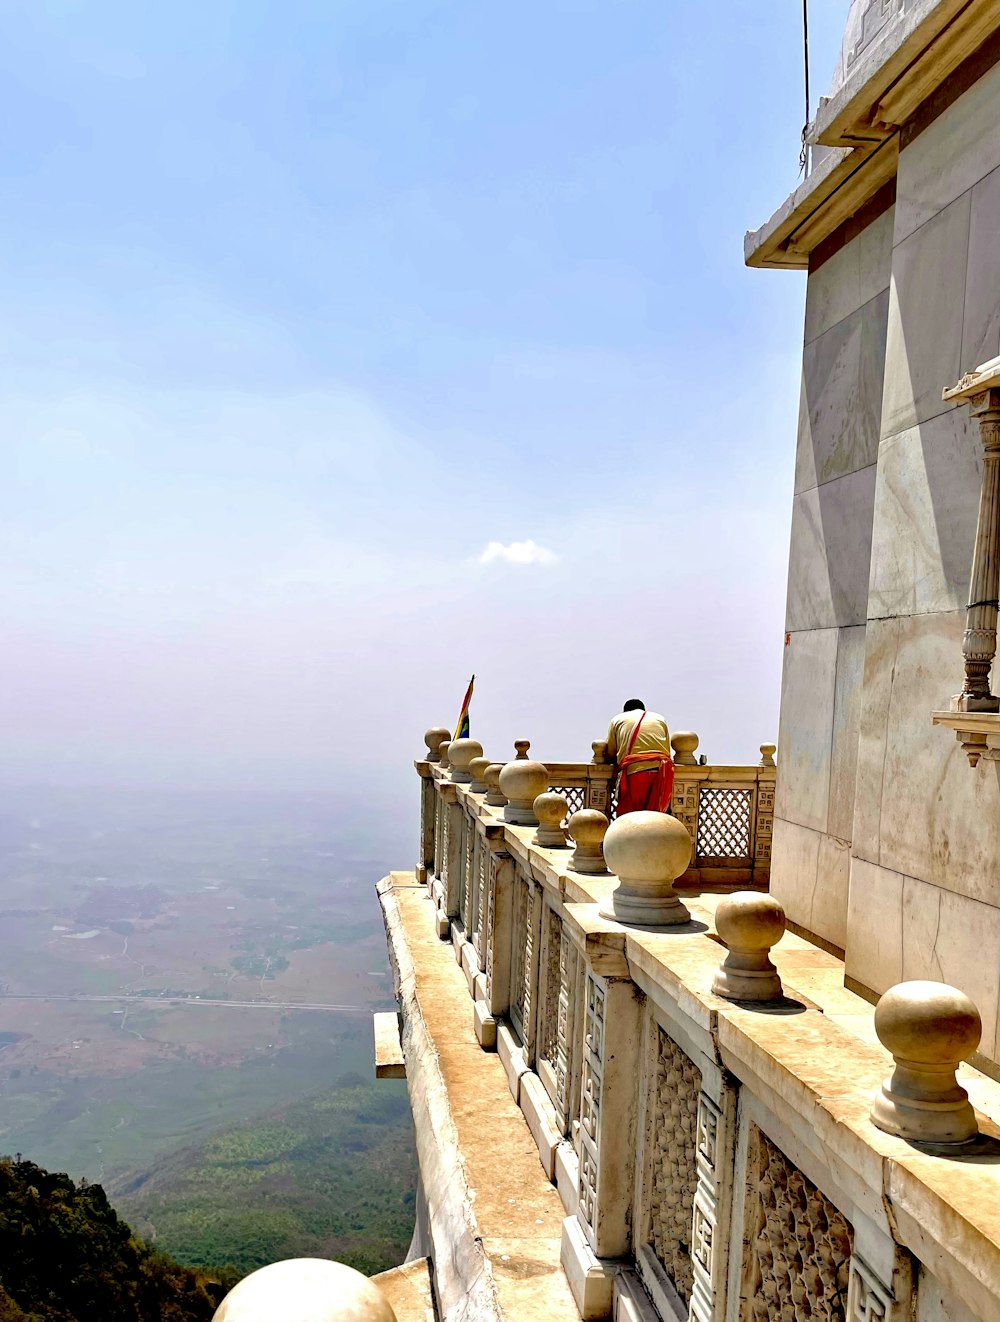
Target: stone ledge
{"points": [[495, 1221]]}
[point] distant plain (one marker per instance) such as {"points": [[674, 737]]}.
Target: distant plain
{"points": [[184, 1110]]}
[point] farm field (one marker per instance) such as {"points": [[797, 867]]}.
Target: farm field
{"points": [[235, 910]]}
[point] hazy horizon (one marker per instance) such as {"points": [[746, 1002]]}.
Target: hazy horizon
{"points": [[355, 349]]}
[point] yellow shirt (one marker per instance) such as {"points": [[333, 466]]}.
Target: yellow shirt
{"points": [[653, 737]]}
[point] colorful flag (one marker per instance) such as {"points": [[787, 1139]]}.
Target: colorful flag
{"points": [[462, 728]]}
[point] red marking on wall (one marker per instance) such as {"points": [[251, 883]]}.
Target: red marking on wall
{"points": [[788, 639]]}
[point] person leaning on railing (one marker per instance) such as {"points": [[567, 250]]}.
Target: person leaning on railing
{"points": [[639, 746]]}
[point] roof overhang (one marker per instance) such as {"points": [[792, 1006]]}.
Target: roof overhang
{"points": [[860, 124]]}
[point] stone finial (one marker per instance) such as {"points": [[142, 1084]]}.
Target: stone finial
{"points": [[521, 782], [767, 752], [600, 747], [929, 1028], [494, 796], [460, 755], [684, 743], [434, 738], [443, 748], [750, 924], [648, 851], [551, 809], [477, 769], [521, 747], [305, 1290], [587, 829]]}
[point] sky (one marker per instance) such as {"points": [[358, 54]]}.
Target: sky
{"points": [[352, 347]]}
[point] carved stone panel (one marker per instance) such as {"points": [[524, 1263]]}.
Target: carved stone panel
{"points": [[590, 1101], [674, 1170], [798, 1244]]}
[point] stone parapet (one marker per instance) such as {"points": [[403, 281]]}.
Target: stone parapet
{"points": [[669, 1119]]}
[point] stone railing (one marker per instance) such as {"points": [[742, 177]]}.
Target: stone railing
{"points": [[728, 810], [691, 1154]]}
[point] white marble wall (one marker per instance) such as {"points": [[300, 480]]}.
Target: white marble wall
{"points": [[925, 872], [829, 569], [885, 841]]}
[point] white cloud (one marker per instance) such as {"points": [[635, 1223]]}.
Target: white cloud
{"points": [[517, 553]]}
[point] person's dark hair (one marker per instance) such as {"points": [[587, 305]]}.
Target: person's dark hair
{"points": [[634, 704]]}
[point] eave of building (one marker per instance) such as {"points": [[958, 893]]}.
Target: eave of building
{"points": [[860, 125]]}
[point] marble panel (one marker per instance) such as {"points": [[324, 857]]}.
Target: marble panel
{"points": [[794, 868], [935, 1303], [981, 329], [920, 809], [830, 555], [808, 686], [840, 406], [874, 942], [950, 938], [954, 152], [926, 506], [846, 728], [926, 311], [850, 278]]}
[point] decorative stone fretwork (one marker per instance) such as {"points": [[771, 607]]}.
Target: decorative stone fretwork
{"points": [[980, 390], [520, 951], [684, 743], [551, 809], [590, 1101], [674, 1130], [764, 825], [684, 804], [522, 782], [648, 851], [587, 830], [499, 926], [868, 1300], [750, 924], [548, 991], [481, 898], [725, 820], [468, 843], [708, 1200], [799, 1245], [569, 967], [454, 848], [929, 1028], [434, 738]]}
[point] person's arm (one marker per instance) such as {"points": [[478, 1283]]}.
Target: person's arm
{"points": [[612, 745]]}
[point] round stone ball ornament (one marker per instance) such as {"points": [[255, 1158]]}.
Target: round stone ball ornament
{"points": [[929, 1028], [305, 1290], [648, 851], [521, 782], [461, 754]]}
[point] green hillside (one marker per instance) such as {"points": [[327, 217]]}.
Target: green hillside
{"points": [[66, 1256], [331, 1176]]}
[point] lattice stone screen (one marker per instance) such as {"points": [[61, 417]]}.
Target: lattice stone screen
{"points": [[798, 1252], [519, 962], [725, 818], [674, 1173], [548, 1033], [575, 796]]}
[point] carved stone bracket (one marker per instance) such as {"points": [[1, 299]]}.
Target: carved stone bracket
{"points": [[980, 390]]}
